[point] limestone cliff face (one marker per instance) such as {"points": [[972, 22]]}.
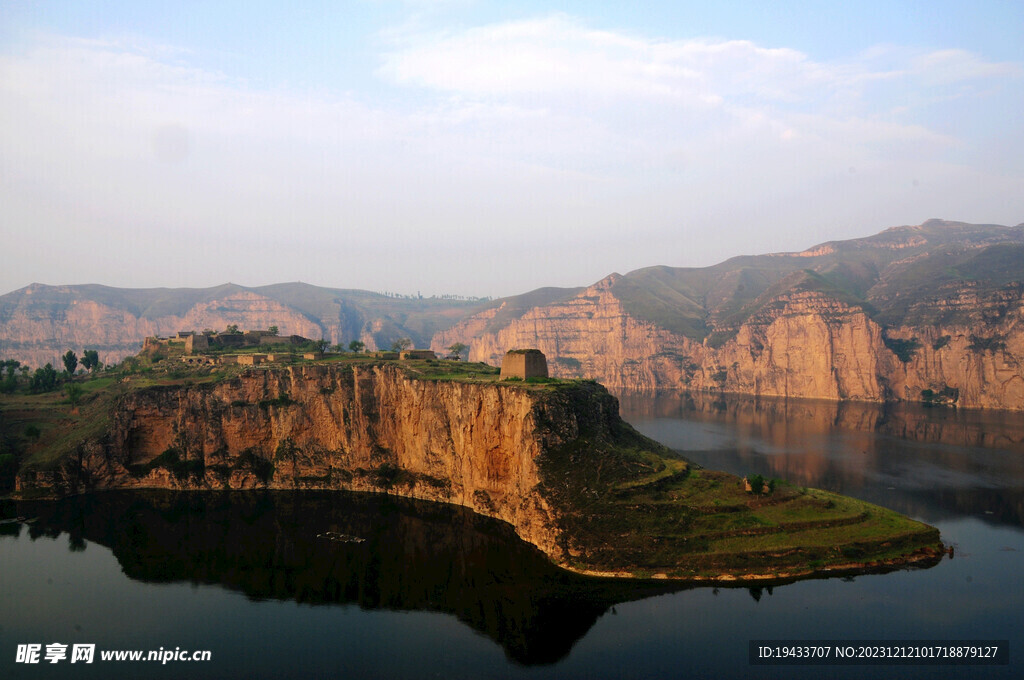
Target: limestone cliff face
{"points": [[331, 427], [804, 344], [589, 335]]}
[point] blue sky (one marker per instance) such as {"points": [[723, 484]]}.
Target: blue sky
{"points": [[489, 148]]}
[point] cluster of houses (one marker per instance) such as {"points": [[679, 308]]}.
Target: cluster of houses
{"points": [[198, 345]]}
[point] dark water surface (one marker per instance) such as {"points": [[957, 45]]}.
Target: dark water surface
{"points": [[434, 591]]}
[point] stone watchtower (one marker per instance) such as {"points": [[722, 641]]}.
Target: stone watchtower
{"points": [[524, 363]]}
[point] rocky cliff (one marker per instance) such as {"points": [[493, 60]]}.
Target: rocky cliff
{"points": [[932, 313], [344, 427], [808, 345]]}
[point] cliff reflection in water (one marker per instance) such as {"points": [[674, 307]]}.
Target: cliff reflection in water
{"points": [[414, 556], [931, 463]]}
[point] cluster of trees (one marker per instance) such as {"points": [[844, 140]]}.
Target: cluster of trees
{"points": [[467, 298], [456, 352], [355, 346], [446, 296], [13, 373]]}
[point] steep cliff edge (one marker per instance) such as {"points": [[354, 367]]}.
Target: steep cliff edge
{"points": [[552, 458]]}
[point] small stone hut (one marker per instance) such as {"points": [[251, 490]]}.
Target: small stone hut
{"points": [[524, 363]]}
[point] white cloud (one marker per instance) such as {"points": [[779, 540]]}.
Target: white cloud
{"points": [[547, 128]]}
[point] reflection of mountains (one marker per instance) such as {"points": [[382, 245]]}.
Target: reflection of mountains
{"points": [[416, 556], [781, 420], [931, 463]]}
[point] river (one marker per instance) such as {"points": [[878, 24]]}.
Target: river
{"points": [[344, 585]]}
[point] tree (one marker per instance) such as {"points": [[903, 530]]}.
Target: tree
{"points": [[401, 345], [272, 330], [338, 348], [455, 351], [356, 346], [321, 345], [44, 379], [232, 329], [74, 393], [70, 362], [90, 359], [10, 382]]}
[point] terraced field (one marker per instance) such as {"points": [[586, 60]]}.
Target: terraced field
{"points": [[677, 521]]}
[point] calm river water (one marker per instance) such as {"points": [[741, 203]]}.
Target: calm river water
{"points": [[436, 592]]}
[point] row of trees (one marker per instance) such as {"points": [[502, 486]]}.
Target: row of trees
{"points": [[455, 351]]}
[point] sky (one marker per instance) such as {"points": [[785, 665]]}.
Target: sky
{"points": [[489, 148]]}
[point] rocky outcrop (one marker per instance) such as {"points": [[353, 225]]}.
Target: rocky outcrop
{"points": [[344, 427], [808, 346], [803, 344]]}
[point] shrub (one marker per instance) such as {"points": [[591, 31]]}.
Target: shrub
{"points": [[386, 475], [941, 342], [903, 349], [281, 401], [947, 395], [261, 467], [980, 344]]}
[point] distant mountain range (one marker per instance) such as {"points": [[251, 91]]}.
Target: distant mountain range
{"points": [[40, 322], [930, 312]]}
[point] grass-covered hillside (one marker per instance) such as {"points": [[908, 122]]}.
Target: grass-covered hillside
{"points": [[629, 506], [893, 275]]}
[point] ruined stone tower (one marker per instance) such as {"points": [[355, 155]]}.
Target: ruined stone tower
{"points": [[524, 363]]}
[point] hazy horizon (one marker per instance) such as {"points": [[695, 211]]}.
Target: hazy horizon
{"points": [[433, 294], [473, 148]]}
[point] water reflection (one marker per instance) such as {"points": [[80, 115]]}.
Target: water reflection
{"points": [[931, 463], [413, 556]]}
